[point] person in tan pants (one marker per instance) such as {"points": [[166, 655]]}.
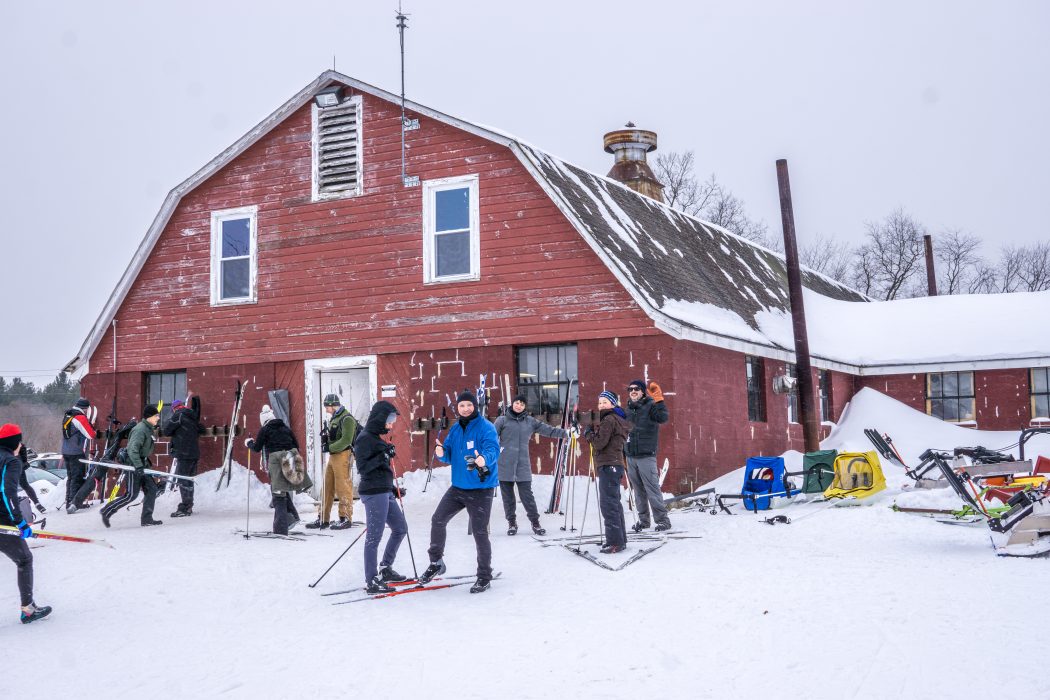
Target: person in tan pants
{"points": [[341, 429]]}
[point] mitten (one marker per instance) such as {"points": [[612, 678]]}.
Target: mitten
{"points": [[655, 391]]}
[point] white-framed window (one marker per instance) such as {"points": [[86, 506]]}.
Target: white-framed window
{"points": [[451, 231], [336, 150], [234, 256]]}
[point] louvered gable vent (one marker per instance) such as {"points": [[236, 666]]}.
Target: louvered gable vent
{"points": [[338, 165]]}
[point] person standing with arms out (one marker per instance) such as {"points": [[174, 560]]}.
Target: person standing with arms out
{"points": [[341, 430], [607, 452], [184, 429], [373, 454], [140, 447], [76, 432], [472, 449], [16, 549], [277, 443], [646, 413], [515, 430]]}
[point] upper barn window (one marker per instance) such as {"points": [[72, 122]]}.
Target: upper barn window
{"points": [[233, 256], [451, 242], [336, 146]]}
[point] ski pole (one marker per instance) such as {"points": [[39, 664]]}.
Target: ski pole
{"points": [[314, 584], [587, 500], [408, 536], [248, 497], [44, 535]]}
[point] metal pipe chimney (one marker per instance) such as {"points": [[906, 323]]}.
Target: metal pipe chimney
{"points": [[931, 274]]}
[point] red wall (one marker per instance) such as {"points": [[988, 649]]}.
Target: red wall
{"points": [[1003, 399]]}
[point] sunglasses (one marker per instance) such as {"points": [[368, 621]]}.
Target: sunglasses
{"points": [[634, 390]]}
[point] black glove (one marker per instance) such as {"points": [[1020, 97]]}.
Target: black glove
{"points": [[398, 492], [389, 449], [589, 434]]}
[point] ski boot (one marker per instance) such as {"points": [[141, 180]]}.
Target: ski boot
{"points": [[537, 530], [377, 586], [663, 526], [342, 524], [318, 525], [105, 518], [436, 568], [151, 521], [180, 513], [31, 613], [482, 585], [612, 549], [638, 526], [388, 575], [512, 527]]}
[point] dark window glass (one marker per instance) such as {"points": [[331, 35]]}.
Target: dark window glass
{"points": [[452, 210], [452, 253], [1041, 392], [544, 373], [756, 398], [825, 395], [236, 237], [166, 387], [235, 278], [792, 397], [950, 396]]}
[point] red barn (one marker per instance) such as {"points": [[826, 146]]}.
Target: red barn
{"points": [[302, 259]]}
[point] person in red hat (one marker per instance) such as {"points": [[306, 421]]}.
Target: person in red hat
{"points": [[15, 547]]}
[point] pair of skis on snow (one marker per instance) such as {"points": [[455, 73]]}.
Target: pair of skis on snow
{"points": [[589, 556], [410, 586]]}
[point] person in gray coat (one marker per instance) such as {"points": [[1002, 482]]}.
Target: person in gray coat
{"points": [[515, 429]]}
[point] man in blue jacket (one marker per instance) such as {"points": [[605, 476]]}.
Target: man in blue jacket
{"points": [[472, 449]]}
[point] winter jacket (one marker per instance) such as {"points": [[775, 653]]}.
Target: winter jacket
{"points": [[478, 435], [275, 436], [646, 416], [140, 445], [342, 429], [184, 429], [372, 453], [11, 468], [79, 431], [515, 431], [609, 439]]}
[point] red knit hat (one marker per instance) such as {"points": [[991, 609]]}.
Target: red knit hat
{"points": [[10, 436]]}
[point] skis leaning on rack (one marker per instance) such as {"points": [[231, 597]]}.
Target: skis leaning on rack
{"points": [[562, 454], [227, 470]]}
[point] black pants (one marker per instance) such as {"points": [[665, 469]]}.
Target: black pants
{"points": [[185, 467], [74, 476], [284, 513], [478, 503], [609, 478], [510, 507], [136, 482], [17, 551], [96, 477]]}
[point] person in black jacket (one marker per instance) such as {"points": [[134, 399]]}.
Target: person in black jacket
{"points": [[646, 413], [373, 454], [184, 428], [16, 549], [280, 450]]}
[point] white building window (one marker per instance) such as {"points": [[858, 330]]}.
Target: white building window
{"points": [[451, 238], [233, 256]]}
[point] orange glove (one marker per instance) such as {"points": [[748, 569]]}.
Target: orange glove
{"points": [[656, 392]]}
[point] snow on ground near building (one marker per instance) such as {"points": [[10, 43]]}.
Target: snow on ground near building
{"points": [[851, 602]]}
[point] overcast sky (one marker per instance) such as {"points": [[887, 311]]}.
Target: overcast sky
{"points": [[938, 107]]}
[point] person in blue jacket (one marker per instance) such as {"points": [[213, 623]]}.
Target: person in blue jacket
{"points": [[472, 449]]}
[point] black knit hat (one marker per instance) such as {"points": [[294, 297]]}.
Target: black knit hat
{"points": [[82, 403], [10, 436], [640, 383], [149, 410], [468, 396], [520, 397]]}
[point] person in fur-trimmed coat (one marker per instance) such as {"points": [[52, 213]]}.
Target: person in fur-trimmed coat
{"points": [[515, 430], [277, 442]]}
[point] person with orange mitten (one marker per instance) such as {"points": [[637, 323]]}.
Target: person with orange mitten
{"points": [[646, 412]]}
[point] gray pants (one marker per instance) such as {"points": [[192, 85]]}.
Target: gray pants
{"points": [[510, 506], [641, 471]]}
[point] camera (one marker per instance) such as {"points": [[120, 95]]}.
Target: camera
{"points": [[482, 470]]}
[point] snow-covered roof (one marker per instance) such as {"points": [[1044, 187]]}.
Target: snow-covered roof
{"points": [[696, 280]]}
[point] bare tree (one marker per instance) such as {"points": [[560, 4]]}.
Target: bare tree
{"points": [[958, 259], [1034, 271], [891, 257], [985, 279], [828, 256], [1008, 271]]}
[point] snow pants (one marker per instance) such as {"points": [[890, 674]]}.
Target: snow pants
{"points": [[641, 471], [185, 467], [17, 551], [478, 503], [510, 507], [74, 476], [96, 477], [284, 513], [136, 483], [611, 506], [381, 509], [337, 483]]}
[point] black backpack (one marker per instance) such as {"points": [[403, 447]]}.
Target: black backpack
{"points": [[68, 431]]}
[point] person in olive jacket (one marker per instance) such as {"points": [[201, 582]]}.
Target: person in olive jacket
{"points": [[184, 428], [377, 490], [515, 430], [140, 447], [646, 412], [340, 431], [607, 452]]}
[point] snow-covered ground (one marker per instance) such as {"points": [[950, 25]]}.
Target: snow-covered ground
{"points": [[851, 602]]}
